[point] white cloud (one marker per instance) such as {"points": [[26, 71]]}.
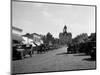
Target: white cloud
{"points": [[47, 14], [54, 19]]}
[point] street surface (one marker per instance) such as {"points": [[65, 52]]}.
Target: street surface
{"points": [[56, 60]]}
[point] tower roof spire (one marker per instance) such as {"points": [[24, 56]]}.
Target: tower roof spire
{"points": [[65, 29]]}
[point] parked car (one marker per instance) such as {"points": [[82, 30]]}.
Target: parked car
{"points": [[20, 51], [89, 48], [16, 54], [93, 49], [72, 49]]}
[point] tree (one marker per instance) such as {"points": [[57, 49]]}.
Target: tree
{"points": [[92, 37], [48, 38], [80, 38]]}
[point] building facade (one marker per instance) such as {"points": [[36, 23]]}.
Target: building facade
{"points": [[33, 38], [16, 34], [65, 37], [16, 30], [37, 38]]}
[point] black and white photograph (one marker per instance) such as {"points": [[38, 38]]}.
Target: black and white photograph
{"points": [[52, 37]]}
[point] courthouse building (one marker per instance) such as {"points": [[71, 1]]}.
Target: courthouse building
{"points": [[65, 37]]}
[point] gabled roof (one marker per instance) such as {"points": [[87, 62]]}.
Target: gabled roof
{"points": [[35, 34], [28, 35], [31, 35]]}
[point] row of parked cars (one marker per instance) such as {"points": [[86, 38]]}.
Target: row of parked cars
{"points": [[19, 51], [89, 48]]}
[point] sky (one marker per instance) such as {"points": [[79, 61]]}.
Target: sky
{"points": [[42, 18]]}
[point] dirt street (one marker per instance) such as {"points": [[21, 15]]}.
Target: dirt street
{"points": [[55, 60]]}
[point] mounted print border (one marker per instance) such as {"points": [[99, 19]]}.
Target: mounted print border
{"points": [[52, 37]]}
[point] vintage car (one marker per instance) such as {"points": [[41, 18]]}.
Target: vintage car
{"points": [[20, 51], [89, 48], [15, 53], [92, 51], [72, 49]]}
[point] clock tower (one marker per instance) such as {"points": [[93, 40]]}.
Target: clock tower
{"points": [[65, 37], [65, 29]]}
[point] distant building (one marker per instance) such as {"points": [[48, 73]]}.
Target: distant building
{"points": [[28, 38], [65, 37], [32, 38], [37, 38]]}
